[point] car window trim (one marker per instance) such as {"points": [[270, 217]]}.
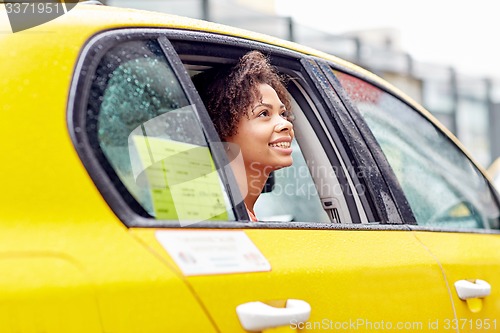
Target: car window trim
{"points": [[124, 212]]}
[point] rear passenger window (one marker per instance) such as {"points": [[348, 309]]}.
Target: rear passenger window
{"points": [[150, 139], [306, 191]]}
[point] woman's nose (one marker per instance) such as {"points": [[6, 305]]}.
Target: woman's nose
{"points": [[283, 125]]}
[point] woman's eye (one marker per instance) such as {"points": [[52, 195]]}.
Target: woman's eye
{"points": [[264, 113], [287, 115]]}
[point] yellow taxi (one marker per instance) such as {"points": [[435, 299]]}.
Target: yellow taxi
{"points": [[118, 212]]}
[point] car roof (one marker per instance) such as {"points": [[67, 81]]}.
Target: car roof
{"points": [[86, 20], [82, 22]]}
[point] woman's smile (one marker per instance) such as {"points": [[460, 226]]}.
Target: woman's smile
{"points": [[283, 145]]}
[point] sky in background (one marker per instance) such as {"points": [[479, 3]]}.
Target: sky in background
{"points": [[463, 34]]}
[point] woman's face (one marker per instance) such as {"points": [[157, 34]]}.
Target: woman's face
{"points": [[265, 136]]}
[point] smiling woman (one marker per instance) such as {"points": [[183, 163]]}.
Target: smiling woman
{"points": [[250, 108]]}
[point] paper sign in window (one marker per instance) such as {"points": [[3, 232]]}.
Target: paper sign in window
{"points": [[182, 178]]}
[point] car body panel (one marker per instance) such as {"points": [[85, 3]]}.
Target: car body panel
{"points": [[91, 266], [38, 293], [468, 257], [335, 271]]}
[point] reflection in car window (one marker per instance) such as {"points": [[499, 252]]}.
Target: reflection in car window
{"points": [[151, 136], [441, 184]]}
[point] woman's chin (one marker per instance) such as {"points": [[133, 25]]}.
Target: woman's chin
{"points": [[284, 164]]}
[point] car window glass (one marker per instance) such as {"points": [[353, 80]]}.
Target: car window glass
{"points": [[441, 184], [150, 135]]}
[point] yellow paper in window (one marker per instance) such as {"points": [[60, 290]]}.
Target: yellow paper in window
{"points": [[182, 178]]}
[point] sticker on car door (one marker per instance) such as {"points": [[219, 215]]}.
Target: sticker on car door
{"points": [[212, 252]]}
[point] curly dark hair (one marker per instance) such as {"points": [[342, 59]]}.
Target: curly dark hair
{"points": [[229, 91]]}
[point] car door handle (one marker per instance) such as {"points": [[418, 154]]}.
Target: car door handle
{"points": [[257, 316], [477, 289]]}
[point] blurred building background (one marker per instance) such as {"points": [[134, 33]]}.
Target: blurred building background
{"points": [[468, 105]]}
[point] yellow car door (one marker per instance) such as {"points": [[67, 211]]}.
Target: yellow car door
{"points": [[353, 280]]}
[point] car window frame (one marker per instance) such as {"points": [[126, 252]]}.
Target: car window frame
{"points": [[78, 99]]}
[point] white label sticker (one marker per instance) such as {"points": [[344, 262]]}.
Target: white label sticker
{"points": [[212, 252]]}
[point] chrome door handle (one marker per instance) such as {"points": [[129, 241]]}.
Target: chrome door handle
{"points": [[477, 289], [257, 316]]}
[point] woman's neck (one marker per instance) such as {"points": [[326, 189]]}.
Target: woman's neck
{"points": [[251, 180], [255, 181]]}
